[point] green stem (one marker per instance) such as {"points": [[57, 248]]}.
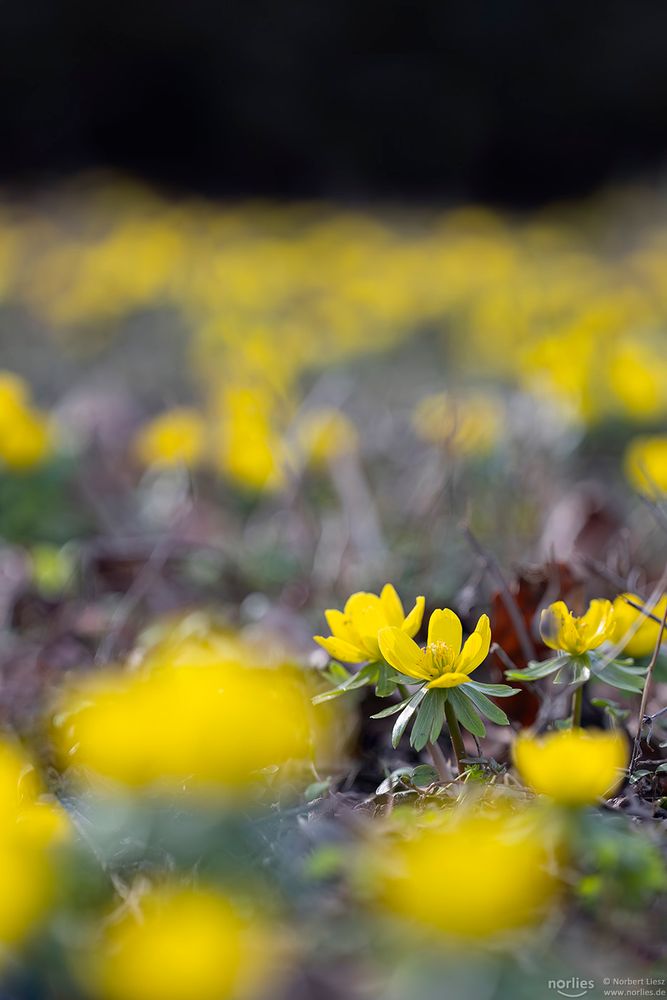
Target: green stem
{"points": [[577, 705], [455, 734], [435, 753]]}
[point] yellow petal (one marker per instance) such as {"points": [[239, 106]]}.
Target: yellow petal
{"points": [[483, 628], [341, 650], [557, 628], [450, 680], [361, 601], [413, 622], [391, 603], [340, 626], [475, 650], [402, 653], [445, 626], [598, 622]]}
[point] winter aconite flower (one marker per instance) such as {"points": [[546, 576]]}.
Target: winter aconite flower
{"points": [[471, 875], [633, 629], [646, 465], [31, 825], [186, 942], [355, 630], [446, 661], [176, 437], [324, 435], [561, 630], [573, 766], [26, 438], [193, 718]]}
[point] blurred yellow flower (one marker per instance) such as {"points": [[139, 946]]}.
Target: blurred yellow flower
{"points": [[251, 451], [470, 425], [177, 437], [471, 875], [187, 943], [638, 380], [446, 661], [30, 825], [646, 465], [575, 767], [325, 434], [194, 717], [636, 631], [25, 435], [355, 630], [562, 630]]}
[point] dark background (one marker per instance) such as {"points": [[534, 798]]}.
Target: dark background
{"points": [[515, 101]]}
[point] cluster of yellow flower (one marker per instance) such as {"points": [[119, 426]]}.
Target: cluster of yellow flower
{"points": [[188, 940], [515, 850], [269, 293]]}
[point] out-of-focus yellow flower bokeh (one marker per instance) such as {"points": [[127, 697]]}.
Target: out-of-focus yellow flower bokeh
{"points": [[31, 824], [574, 767], [563, 631], [270, 293], [200, 714], [177, 437], [473, 874], [325, 434], [26, 438], [186, 943], [250, 449], [470, 425], [646, 465], [634, 630]]}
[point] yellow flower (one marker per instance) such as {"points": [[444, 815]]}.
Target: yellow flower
{"points": [[572, 766], [446, 661], [250, 448], [195, 717], [25, 434], [188, 942], [177, 437], [472, 875], [356, 629], [646, 465], [561, 630], [30, 824], [325, 434], [638, 632]]}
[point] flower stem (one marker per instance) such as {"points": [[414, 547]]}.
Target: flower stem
{"points": [[455, 734], [439, 762], [577, 705], [438, 758]]}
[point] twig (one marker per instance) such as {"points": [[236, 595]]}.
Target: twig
{"points": [[595, 566], [638, 607], [508, 599], [647, 682], [656, 510]]}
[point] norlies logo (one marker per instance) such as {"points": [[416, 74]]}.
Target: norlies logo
{"points": [[572, 987]]}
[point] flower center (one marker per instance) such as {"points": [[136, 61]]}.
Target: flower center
{"points": [[440, 658]]}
